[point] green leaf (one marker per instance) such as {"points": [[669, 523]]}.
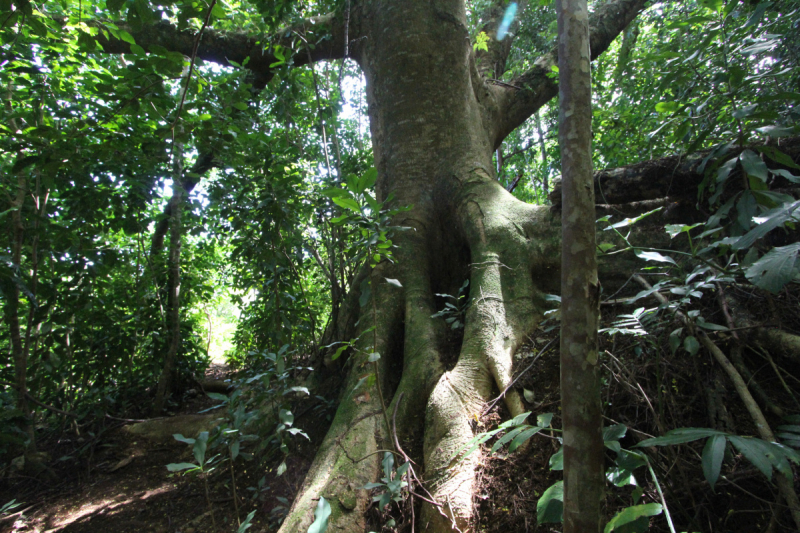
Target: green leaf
{"points": [[550, 507], [394, 282], [367, 180], [679, 436], [666, 107], [776, 132], [336, 191], [281, 468], [217, 396], [338, 353], [754, 451], [218, 11], [775, 269], [127, 37], [676, 229], [767, 222], [177, 467], [615, 432], [181, 438], [557, 460], [691, 344], [245, 525], [321, 515], [523, 437], [199, 448], [241, 106], [286, 417], [347, 203], [654, 256], [629, 514], [713, 453], [753, 165], [675, 340]]}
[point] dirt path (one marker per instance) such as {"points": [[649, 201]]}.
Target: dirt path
{"points": [[120, 484]]}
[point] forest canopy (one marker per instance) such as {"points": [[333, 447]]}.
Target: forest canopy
{"points": [[354, 207]]}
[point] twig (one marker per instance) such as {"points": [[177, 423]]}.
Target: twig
{"points": [[37, 402]]}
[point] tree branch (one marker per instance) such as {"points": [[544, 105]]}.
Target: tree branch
{"points": [[492, 63], [536, 88], [674, 176], [204, 163], [325, 32]]}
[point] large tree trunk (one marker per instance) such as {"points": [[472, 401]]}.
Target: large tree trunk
{"points": [[433, 143]]}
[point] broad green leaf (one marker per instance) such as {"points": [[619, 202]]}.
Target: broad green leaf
{"points": [[281, 468], [286, 417], [550, 507], [753, 165], [347, 203], [529, 395], [713, 453], [367, 180], [676, 229], [778, 156], [691, 344], [776, 132], [615, 432], [754, 451], [217, 396], [629, 514], [666, 107], [321, 515], [775, 269], [127, 37], [774, 218], [181, 438], [556, 461], [544, 419], [654, 256], [199, 448], [335, 192]]}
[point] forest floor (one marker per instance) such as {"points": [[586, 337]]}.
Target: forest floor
{"points": [[121, 484]]}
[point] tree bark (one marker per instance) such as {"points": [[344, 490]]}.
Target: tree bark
{"points": [[19, 349], [580, 289], [173, 287]]}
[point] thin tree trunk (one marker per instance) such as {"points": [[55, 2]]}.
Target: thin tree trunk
{"points": [[173, 285], [545, 172], [580, 290], [18, 348]]}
